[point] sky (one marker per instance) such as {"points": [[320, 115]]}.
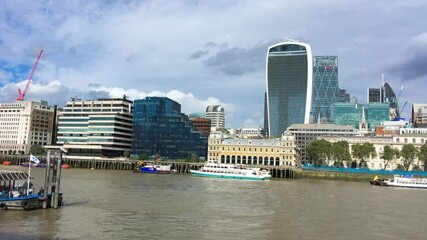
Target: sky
{"points": [[201, 53]]}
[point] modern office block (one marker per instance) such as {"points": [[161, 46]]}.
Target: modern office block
{"points": [[289, 74], [159, 128], [325, 86]]}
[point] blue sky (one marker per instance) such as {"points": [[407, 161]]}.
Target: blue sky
{"points": [[204, 52]]}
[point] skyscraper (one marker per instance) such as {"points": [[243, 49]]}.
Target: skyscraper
{"points": [[325, 86], [289, 76]]}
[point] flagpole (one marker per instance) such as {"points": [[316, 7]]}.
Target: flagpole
{"points": [[29, 174]]}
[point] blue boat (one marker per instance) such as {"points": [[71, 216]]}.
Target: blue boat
{"points": [[154, 168], [15, 192]]}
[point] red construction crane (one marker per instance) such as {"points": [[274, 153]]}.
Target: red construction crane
{"points": [[22, 94]]}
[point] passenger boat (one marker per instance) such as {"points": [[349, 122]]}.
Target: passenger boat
{"points": [[219, 170], [155, 168], [406, 181], [15, 192]]}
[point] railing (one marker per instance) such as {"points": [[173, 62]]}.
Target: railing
{"points": [[364, 170]]}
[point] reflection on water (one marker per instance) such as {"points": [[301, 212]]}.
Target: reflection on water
{"points": [[126, 205]]}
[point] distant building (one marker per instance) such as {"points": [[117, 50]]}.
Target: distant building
{"points": [[350, 114], [98, 128], [216, 114], [391, 128], [289, 78], [274, 152], [344, 96], [159, 128], [251, 132], [375, 95], [305, 133], [203, 125], [24, 124], [196, 115], [325, 86], [419, 115], [379, 143]]}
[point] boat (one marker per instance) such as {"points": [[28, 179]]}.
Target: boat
{"points": [[30, 164], [378, 181], [15, 192], [406, 181], [155, 168], [220, 170]]}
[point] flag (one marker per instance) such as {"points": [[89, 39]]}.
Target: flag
{"points": [[34, 160]]}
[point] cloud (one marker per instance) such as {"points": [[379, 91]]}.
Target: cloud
{"points": [[412, 65]]}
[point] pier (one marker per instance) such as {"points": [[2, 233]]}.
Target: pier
{"points": [[279, 172]]}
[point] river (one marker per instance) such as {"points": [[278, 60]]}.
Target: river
{"points": [[100, 204]]}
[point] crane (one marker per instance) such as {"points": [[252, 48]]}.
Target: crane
{"points": [[22, 94]]}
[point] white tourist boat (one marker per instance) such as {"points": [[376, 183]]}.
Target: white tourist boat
{"points": [[219, 170], [406, 181]]}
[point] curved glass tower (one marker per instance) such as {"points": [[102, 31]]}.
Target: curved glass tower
{"points": [[289, 77]]}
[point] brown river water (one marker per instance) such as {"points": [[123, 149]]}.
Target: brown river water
{"points": [[100, 204]]}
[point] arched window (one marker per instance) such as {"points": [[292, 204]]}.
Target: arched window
{"points": [[239, 160], [244, 160], [277, 163], [255, 160], [250, 160], [233, 159], [228, 159], [222, 159]]}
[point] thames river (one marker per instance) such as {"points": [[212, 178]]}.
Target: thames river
{"points": [[100, 204]]}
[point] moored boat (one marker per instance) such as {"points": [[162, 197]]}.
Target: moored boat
{"points": [[15, 192], [154, 168], [219, 170], [407, 181]]}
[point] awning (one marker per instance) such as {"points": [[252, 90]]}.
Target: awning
{"points": [[9, 176]]}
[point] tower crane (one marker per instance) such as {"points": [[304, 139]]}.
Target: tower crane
{"points": [[22, 94]]}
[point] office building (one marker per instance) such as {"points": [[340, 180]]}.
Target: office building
{"points": [[305, 133], [289, 77], [161, 130], [325, 86], [24, 124], [375, 95], [98, 128], [203, 125], [419, 115], [216, 114]]}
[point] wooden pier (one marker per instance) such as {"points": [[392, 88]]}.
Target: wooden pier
{"points": [[283, 172]]}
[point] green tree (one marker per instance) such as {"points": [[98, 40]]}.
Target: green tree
{"points": [[341, 153], [319, 151], [363, 151], [389, 155], [194, 157], [36, 149], [143, 156], [409, 152], [423, 155], [126, 154]]}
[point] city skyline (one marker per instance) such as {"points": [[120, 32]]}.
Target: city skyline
{"points": [[203, 53]]}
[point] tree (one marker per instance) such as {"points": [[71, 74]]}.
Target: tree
{"points": [[408, 152], [423, 155], [36, 149], [143, 156], [319, 151], [194, 157], [126, 154], [341, 152], [363, 151], [389, 155]]}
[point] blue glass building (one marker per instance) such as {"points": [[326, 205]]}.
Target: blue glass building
{"points": [[159, 127], [289, 75], [325, 86]]}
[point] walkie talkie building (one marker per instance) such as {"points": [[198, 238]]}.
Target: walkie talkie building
{"points": [[289, 77]]}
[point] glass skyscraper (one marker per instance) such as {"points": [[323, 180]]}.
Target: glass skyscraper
{"points": [[325, 86], [289, 76], [160, 128]]}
